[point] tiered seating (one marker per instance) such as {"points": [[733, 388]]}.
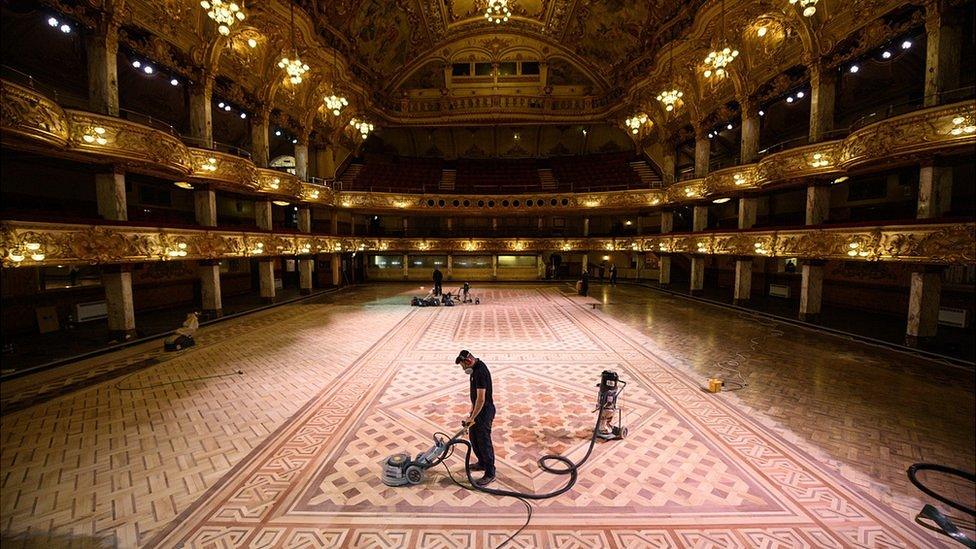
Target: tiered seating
{"points": [[382, 173], [497, 176], [596, 172]]}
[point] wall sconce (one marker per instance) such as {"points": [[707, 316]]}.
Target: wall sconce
{"points": [[819, 161], [210, 165]]}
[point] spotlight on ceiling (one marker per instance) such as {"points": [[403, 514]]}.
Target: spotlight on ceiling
{"points": [[220, 105], [294, 141], [65, 28], [174, 82], [52, 22], [841, 179], [906, 44], [136, 64], [243, 115], [252, 42], [854, 68], [721, 200], [183, 185], [799, 95], [728, 127], [227, 108], [762, 113], [761, 31], [789, 99], [147, 69], [886, 54], [278, 133]]}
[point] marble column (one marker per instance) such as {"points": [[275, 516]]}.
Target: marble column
{"points": [[697, 274], [210, 298], [305, 268], [586, 226], [406, 266], [262, 214], [205, 207], [703, 151], [266, 278], [110, 195], [818, 204], [494, 266], [699, 220], [934, 191], [749, 143], [406, 227], [102, 47], [811, 290], [664, 269], [117, 283], [748, 207], [260, 137], [304, 219], [336, 264], [742, 289], [301, 157], [923, 307], [201, 111], [334, 227], [540, 267], [823, 93], [325, 162], [585, 264], [669, 164], [942, 51]]}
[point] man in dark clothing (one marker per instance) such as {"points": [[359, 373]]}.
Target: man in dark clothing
{"points": [[585, 283], [613, 274], [481, 416], [438, 278]]}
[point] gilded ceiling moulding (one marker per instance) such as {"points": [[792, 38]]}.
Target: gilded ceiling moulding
{"points": [[25, 244]]}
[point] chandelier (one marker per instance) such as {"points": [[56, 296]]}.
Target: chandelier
{"points": [[718, 59], [809, 6], [362, 126], [223, 13], [670, 96], [636, 122], [335, 104], [294, 67], [497, 11]]}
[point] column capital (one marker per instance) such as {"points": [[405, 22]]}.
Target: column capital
{"points": [[748, 107], [701, 130], [202, 81], [303, 135], [261, 114]]}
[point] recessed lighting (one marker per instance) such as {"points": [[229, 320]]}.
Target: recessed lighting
{"points": [[243, 115], [52, 21], [841, 179], [252, 42], [183, 185], [280, 202], [762, 113], [136, 64], [710, 135], [294, 141], [278, 133], [886, 54], [906, 44], [728, 127], [147, 69], [789, 99], [65, 28], [761, 31], [174, 82], [854, 68], [227, 108], [721, 200], [799, 95], [220, 105]]}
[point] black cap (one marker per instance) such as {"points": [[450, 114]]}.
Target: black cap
{"points": [[463, 355]]}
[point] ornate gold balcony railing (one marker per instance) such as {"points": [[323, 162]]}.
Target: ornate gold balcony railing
{"points": [[23, 243], [30, 120]]}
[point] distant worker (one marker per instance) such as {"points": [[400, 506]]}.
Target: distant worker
{"points": [[613, 274], [438, 278], [585, 284]]}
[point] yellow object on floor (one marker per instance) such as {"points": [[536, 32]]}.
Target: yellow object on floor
{"points": [[714, 385]]}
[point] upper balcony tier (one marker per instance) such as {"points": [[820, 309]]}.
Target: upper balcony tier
{"points": [[32, 121]]}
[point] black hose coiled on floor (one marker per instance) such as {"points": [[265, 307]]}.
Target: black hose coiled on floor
{"points": [[916, 467]]}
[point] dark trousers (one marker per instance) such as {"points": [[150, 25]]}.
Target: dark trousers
{"points": [[437, 287], [480, 435]]}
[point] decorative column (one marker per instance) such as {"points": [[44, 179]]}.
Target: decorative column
{"points": [[669, 164], [703, 151], [942, 51], [450, 266], [336, 264], [201, 110], [259, 137], [540, 267], [818, 204], [934, 190], [406, 266], [586, 226], [405, 226], [494, 266], [742, 291], [325, 162], [262, 217], [334, 229], [262, 214], [305, 264], [749, 149], [811, 290], [664, 260], [923, 307], [110, 195], [585, 266], [823, 92], [205, 209], [103, 80], [301, 156], [117, 283], [699, 223]]}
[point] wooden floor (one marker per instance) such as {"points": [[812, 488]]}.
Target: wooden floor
{"points": [[813, 450]]}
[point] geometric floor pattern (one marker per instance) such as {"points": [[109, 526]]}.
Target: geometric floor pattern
{"points": [[694, 471]]}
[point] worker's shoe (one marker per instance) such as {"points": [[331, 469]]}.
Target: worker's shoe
{"points": [[477, 467], [485, 480]]}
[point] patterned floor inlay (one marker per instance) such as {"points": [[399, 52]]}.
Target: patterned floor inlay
{"points": [[695, 471]]}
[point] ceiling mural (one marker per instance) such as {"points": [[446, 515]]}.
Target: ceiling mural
{"points": [[607, 30], [386, 33]]}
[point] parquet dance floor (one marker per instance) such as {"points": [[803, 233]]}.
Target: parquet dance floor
{"points": [[288, 454]]}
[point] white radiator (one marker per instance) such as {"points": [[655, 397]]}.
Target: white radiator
{"points": [[93, 310], [952, 317], [779, 290]]}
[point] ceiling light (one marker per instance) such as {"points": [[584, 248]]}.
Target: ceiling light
{"points": [[789, 99], [906, 44], [497, 11], [223, 13], [243, 115], [886, 54], [669, 98], [854, 68], [220, 105], [761, 31], [147, 69], [363, 127], [52, 22], [294, 141], [729, 127], [335, 103], [799, 95], [227, 108], [762, 113], [636, 122], [278, 133], [711, 135], [809, 6], [717, 60], [174, 82], [136, 64], [65, 28], [183, 185], [252, 42], [293, 66], [841, 179], [280, 202], [721, 200]]}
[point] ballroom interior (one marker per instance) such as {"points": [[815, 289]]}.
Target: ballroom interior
{"points": [[242, 243]]}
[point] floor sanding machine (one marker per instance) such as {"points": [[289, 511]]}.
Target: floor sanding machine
{"points": [[400, 470]]}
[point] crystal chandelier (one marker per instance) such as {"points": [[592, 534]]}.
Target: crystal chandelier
{"points": [[223, 13], [670, 96], [497, 11], [362, 126], [335, 104], [717, 61], [636, 122], [293, 67], [809, 6]]}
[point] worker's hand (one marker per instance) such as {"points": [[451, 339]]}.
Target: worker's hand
{"points": [[467, 423]]}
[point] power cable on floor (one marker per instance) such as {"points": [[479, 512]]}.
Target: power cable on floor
{"points": [[733, 365]]}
